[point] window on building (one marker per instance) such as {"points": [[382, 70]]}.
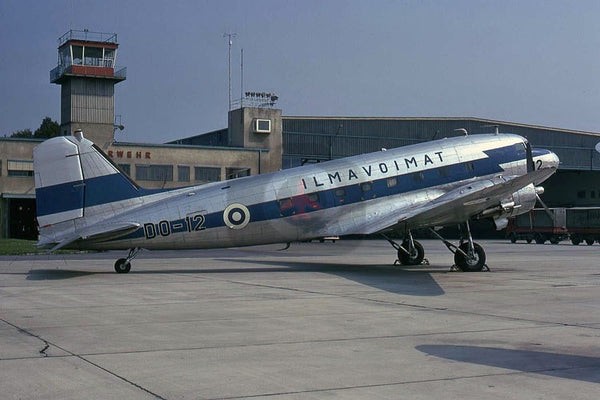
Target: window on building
{"points": [[592, 194], [232, 173], [148, 172], [581, 194], [125, 168], [20, 168], [207, 174], [183, 173]]}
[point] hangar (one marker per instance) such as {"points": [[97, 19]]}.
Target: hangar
{"points": [[258, 139]]}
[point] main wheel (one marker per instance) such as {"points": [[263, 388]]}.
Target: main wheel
{"points": [[122, 266], [416, 256], [589, 241], [575, 240], [473, 263], [513, 238]]}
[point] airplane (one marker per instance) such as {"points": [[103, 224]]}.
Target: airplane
{"points": [[84, 201]]}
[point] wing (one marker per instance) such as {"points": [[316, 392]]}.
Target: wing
{"points": [[455, 206], [96, 232]]}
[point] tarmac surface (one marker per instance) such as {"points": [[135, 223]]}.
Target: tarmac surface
{"points": [[331, 320]]}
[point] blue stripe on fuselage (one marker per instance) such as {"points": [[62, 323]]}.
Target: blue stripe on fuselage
{"points": [[354, 193]]}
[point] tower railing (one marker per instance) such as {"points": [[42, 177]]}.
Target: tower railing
{"points": [[87, 35]]}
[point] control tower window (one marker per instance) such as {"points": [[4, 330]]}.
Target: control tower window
{"points": [[109, 58], [93, 56], [64, 56], [77, 55]]}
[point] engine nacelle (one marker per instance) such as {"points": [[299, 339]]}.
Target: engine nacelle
{"points": [[519, 202]]}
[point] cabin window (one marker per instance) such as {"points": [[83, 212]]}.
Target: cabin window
{"points": [[313, 197], [285, 204], [444, 172], [470, 167], [391, 182], [341, 192], [366, 186], [418, 177]]}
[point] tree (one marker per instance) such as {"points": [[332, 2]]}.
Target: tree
{"points": [[23, 133], [47, 129]]}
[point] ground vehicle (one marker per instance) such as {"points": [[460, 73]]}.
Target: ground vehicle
{"points": [[556, 224]]}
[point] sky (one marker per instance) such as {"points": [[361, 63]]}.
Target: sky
{"points": [[527, 61]]}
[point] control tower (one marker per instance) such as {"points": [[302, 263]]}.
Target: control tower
{"points": [[87, 74]]}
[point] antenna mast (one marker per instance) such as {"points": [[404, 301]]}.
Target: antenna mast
{"points": [[242, 80], [229, 36]]}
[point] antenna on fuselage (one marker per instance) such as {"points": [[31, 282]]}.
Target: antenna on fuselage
{"points": [[463, 130]]}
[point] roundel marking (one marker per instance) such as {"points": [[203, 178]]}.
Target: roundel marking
{"points": [[236, 216]]}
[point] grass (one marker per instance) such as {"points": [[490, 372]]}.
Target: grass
{"points": [[20, 246]]}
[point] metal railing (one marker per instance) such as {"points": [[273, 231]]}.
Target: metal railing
{"points": [[60, 70], [85, 34]]}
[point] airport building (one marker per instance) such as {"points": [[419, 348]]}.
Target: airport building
{"points": [[258, 139]]}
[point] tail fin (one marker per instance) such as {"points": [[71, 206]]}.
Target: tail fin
{"points": [[72, 177]]}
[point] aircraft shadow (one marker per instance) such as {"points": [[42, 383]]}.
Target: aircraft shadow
{"points": [[551, 364], [399, 280], [58, 274]]}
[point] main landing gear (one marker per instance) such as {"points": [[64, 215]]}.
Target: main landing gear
{"points": [[468, 255], [410, 252], [123, 265]]}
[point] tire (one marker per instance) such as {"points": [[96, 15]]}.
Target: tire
{"points": [[554, 240], [575, 240], [122, 266], [513, 238], [540, 240], [589, 242], [470, 265], [529, 240], [414, 259]]}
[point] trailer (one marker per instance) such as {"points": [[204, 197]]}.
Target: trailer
{"points": [[556, 224]]}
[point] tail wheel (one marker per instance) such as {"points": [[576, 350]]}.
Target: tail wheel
{"points": [[415, 257], [472, 262], [122, 266]]}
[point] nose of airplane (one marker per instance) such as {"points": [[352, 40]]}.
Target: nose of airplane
{"points": [[544, 158]]}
